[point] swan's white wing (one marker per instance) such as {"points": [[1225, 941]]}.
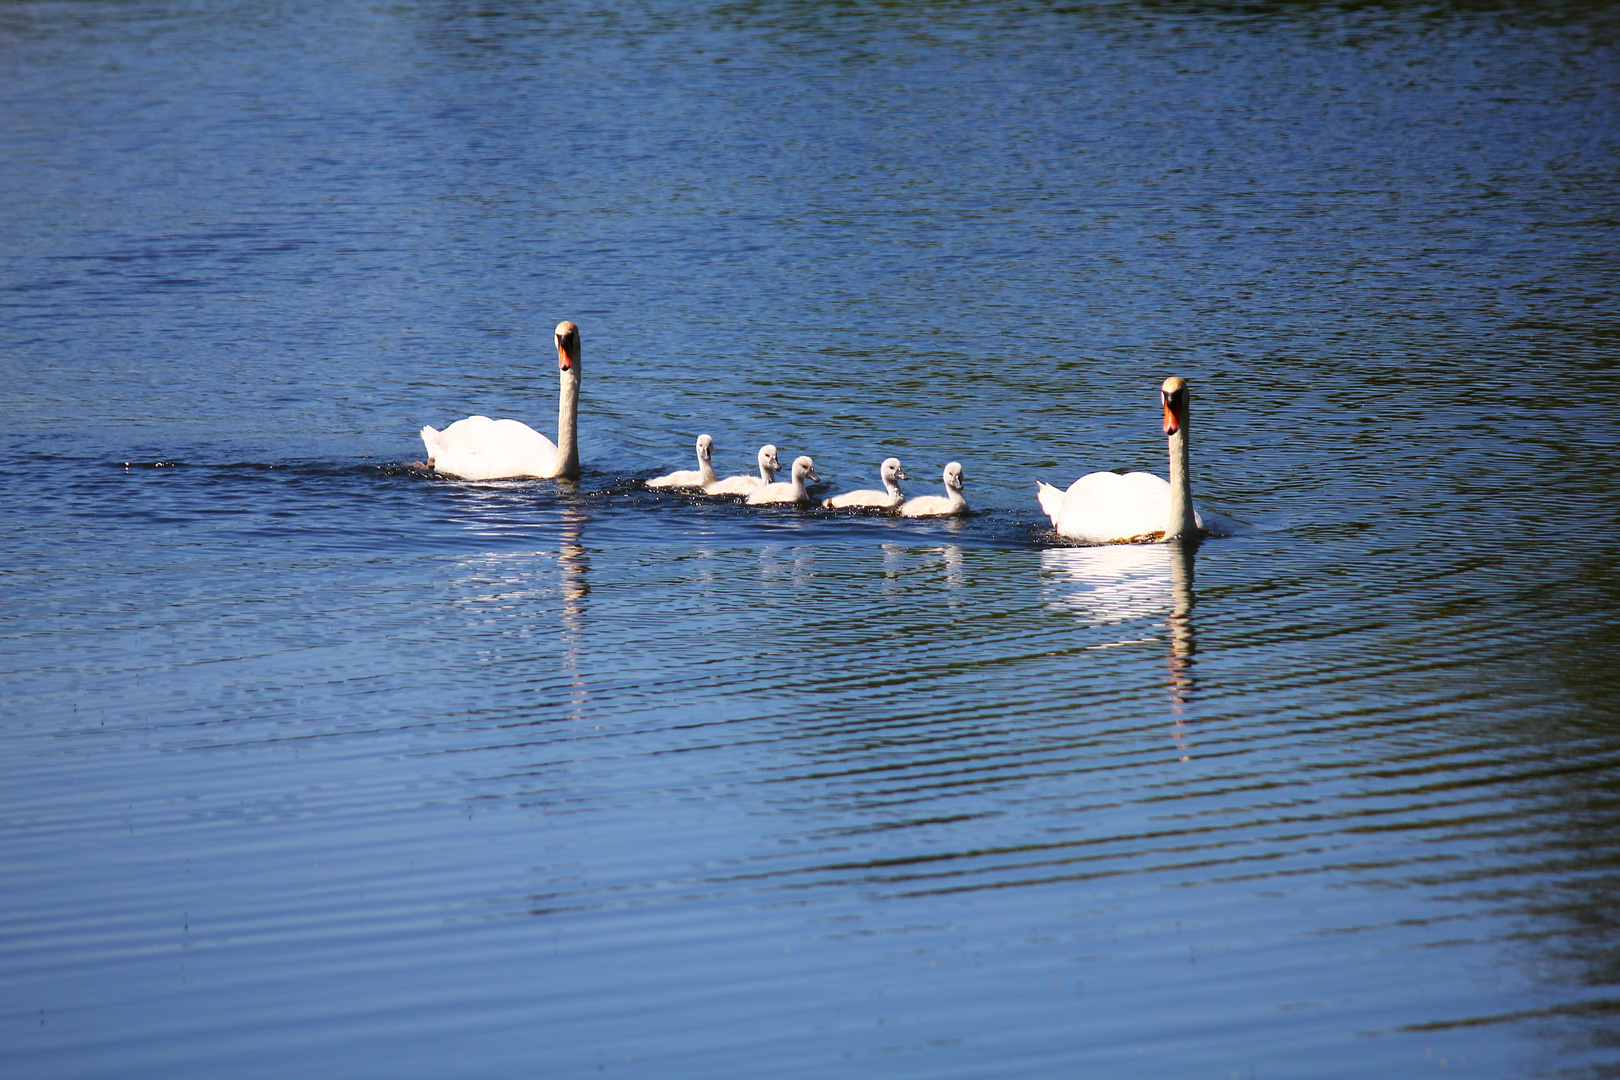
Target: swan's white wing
{"points": [[768, 493], [932, 506], [1051, 499], [865, 497], [779, 492], [1103, 506], [734, 485], [479, 448], [682, 478]]}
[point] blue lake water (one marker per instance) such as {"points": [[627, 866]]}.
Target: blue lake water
{"points": [[315, 764]]}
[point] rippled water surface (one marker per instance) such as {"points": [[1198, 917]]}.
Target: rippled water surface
{"points": [[315, 764]]}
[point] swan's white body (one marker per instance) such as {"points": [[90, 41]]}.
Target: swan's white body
{"points": [[887, 499], [952, 502], [744, 485], [479, 448], [1106, 507], [791, 492], [701, 476]]}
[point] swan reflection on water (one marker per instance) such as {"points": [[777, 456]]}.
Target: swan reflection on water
{"points": [[522, 594], [1116, 585], [573, 564]]}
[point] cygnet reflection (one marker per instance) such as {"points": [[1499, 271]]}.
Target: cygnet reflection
{"points": [[795, 564], [894, 562], [919, 567]]}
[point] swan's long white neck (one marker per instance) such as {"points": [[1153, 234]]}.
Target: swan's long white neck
{"points": [[1182, 522], [567, 426]]}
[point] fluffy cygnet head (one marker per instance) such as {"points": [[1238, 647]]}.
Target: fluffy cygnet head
{"points": [[567, 335], [767, 458], [890, 471], [953, 476], [1173, 393], [705, 447], [804, 469]]}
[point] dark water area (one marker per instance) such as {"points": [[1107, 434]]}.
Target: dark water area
{"points": [[315, 763]]}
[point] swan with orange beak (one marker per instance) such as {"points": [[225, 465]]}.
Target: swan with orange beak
{"points": [[1138, 507], [479, 448]]}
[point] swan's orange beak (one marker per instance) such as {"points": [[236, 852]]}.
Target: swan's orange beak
{"points": [[1171, 424], [567, 336]]}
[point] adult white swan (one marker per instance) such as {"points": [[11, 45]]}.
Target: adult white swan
{"points": [[1106, 507], [950, 503], [479, 448], [790, 492], [691, 478], [887, 499], [744, 485]]}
